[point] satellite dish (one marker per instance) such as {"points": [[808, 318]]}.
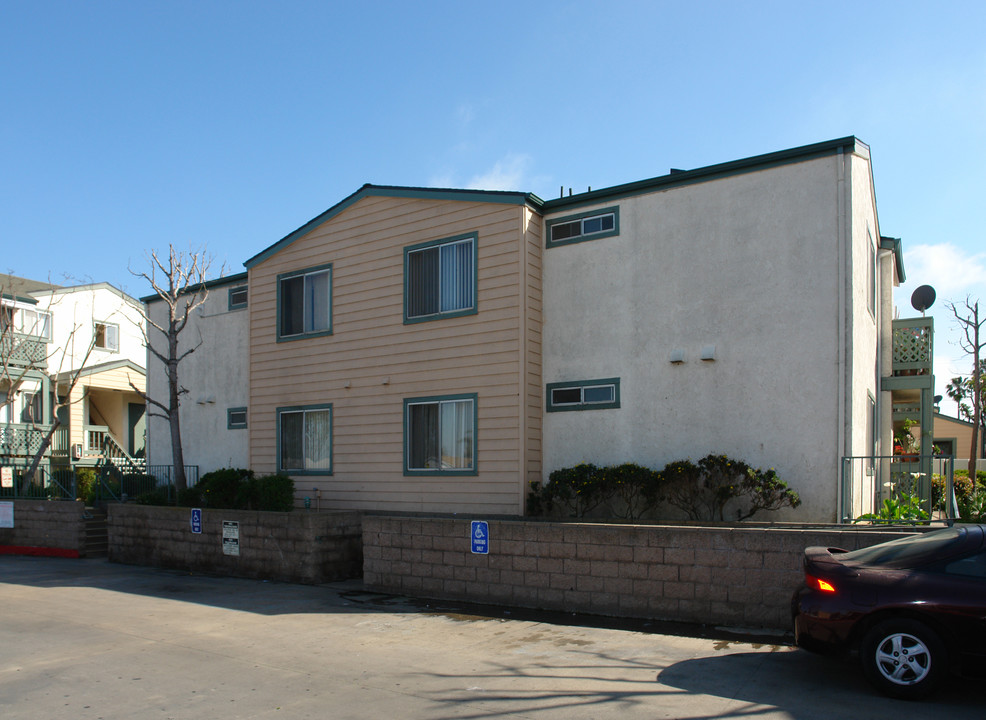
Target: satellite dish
{"points": [[923, 298]]}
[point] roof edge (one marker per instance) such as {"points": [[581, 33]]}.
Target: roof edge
{"points": [[207, 285], [507, 197], [711, 172], [894, 246]]}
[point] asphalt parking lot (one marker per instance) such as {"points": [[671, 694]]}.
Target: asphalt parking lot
{"points": [[86, 639]]}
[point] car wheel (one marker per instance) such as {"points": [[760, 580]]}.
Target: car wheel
{"points": [[904, 658]]}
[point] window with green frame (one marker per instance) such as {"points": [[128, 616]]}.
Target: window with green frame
{"points": [[440, 435], [237, 298], [304, 303], [584, 226], [583, 395], [440, 279], [236, 418], [304, 439]]}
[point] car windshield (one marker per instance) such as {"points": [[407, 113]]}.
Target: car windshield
{"points": [[917, 548]]}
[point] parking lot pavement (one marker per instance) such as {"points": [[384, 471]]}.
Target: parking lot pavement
{"points": [[88, 639]]}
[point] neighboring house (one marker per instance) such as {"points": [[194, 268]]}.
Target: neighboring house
{"points": [[953, 437], [415, 349], [90, 332], [214, 417]]}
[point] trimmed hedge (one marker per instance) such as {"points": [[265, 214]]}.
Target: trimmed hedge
{"points": [[702, 490], [233, 489]]}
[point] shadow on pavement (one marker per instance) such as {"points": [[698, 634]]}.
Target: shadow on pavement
{"points": [[277, 598], [813, 686]]}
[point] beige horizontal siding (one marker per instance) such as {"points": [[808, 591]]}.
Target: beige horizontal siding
{"points": [[373, 361]]}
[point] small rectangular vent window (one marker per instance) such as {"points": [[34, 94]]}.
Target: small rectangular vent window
{"points": [[584, 395], [590, 226]]}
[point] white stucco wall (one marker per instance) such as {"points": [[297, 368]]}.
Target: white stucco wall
{"points": [[76, 310], [215, 375], [748, 263], [864, 323]]}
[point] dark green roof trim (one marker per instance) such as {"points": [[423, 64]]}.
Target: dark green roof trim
{"points": [[18, 298], [894, 246], [506, 197], [712, 172], [207, 285]]}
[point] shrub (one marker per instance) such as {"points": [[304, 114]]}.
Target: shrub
{"points": [[190, 496], [158, 496], [635, 488], [973, 508], [702, 491], [577, 489], [224, 488], [85, 484], [273, 493], [961, 484], [238, 489]]}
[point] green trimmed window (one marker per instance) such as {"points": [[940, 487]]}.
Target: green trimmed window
{"points": [[583, 395], [304, 303], [440, 435], [304, 440], [440, 279], [22, 320], [584, 226], [237, 297], [236, 418]]}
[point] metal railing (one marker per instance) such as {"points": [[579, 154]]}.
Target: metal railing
{"points": [[897, 489], [111, 483], [47, 483]]}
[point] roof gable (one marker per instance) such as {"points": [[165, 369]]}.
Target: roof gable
{"points": [[490, 196]]}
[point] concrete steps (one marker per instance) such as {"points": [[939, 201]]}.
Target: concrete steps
{"points": [[96, 538]]}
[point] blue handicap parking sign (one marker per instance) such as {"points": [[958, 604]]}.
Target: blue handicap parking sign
{"points": [[196, 520], [480, 537]]}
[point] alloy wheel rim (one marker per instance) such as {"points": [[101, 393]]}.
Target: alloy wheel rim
{"points": [[903, 659]]}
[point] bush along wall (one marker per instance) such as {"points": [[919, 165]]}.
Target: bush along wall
{"points": [[232, 489], [716, 488]]}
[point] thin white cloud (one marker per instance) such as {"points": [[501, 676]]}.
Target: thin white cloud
{"points": [[949, 269], [509, 173]]}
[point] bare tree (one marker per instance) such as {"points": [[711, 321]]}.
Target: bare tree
{"points": [[180, 283], [972, 342]]}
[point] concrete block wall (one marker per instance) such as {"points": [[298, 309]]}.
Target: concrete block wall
{"points": [[302, 547], [733, 576], [45, 527]]}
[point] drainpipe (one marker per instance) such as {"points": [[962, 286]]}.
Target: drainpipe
{"points": [[844, 202]]}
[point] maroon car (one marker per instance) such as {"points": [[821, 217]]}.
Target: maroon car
{"points": [[913, 608]]}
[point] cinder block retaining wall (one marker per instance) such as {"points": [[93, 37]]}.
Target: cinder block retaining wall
{"points": [[302, 547], [733, 576], [45, 527]]}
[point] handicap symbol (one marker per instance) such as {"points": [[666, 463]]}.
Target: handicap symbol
{"points": [[479, 531]]}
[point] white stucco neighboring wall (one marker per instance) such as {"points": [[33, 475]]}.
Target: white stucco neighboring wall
{"points": [[754, 264], [215, 376], [76, 311]]}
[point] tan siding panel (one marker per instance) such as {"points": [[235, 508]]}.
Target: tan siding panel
{"points": [[384, 361]]}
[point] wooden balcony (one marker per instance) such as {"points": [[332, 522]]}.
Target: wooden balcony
{"points": [[20, 440], [24, 351]]}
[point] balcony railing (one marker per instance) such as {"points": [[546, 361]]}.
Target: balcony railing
{"points": [[19, 440], [22, 351], [913, 346]]}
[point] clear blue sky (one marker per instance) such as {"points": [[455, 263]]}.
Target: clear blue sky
{"points": [[126, 126]]}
